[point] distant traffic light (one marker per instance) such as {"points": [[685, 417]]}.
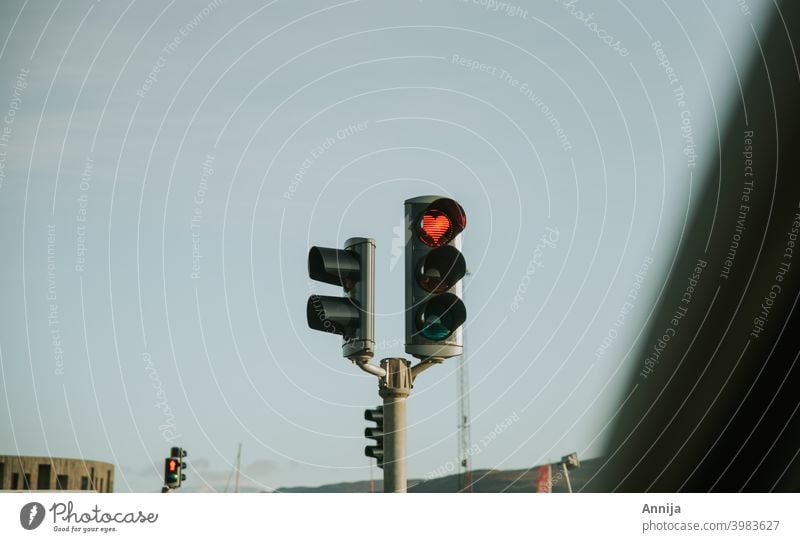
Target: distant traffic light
{"points": [[173, 468], [434, 269], [352, 268], [375, 451], [172, 472], [571, 461]]}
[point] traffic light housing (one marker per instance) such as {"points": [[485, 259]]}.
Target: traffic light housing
{"points": [[352, 316], [375, 451], [571, 461], [173, 468], [434, 269], [172, 472]]}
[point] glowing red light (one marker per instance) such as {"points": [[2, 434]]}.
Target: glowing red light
{"points": [[173, 465], [437, 228]]}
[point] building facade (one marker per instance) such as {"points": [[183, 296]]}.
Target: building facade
{"points": [[26, 473]]}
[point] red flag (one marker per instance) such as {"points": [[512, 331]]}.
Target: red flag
{"points": [[543, 482]]}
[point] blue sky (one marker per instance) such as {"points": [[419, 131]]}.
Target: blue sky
{"points": [[167, 165]]}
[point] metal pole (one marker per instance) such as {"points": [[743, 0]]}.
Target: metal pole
{"points": [[395, 388], [238, 465], [371, 478], [394, 466], [566, 476]]}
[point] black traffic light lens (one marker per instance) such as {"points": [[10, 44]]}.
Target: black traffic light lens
{"points": [[441, 316], [441, 269], [441, 221]]}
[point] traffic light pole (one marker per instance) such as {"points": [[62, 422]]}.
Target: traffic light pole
{"points": [[565, 470], [395, 387], [396, 380], [435, 314]]}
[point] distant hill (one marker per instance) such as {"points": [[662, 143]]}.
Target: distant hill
{"points": [[483, 481]]}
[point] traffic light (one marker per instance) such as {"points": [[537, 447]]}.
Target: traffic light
{"points": [[352, 317], [375, 451], [434, 269], [571, 461], [173, 468], [172, 472]]}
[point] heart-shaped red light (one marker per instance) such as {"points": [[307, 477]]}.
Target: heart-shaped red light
{"points": [[436, 227]]}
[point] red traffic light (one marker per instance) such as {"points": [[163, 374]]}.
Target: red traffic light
{"points": [[172, 473], [436, 225], [441, 221]]}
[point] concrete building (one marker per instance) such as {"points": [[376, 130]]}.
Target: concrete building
{"points": [[24, 473]]}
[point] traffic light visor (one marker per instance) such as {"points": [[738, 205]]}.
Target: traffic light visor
{"points": [[374, 415], [333, 266], [331, 314]]}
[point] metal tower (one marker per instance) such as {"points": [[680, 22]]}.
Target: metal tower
{"points": [[464, 438]]}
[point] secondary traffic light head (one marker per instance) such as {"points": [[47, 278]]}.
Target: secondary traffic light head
{"points": [[571, 461], [375, 451], [352, 317], [434, 269]]}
